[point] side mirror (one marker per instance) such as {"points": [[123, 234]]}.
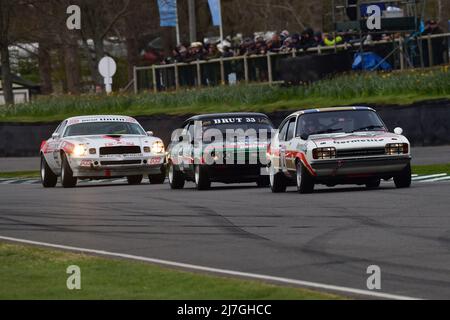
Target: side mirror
{"points": [[304, 136], [55, 135], [150, 133], [398, 131]]}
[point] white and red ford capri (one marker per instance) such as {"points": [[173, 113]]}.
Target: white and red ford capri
{"points": [[101, 147], [348, 145]]}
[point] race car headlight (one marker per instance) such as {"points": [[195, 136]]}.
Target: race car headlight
{"points": [[397, 148], [158, 147], [79, 150], [324, 153]]}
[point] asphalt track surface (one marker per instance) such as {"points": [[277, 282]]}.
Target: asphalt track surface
{"points": [[328, 237]]}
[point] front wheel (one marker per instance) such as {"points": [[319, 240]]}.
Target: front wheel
{"points": [[176, 177], [201, 178], [48, 178], [158, 178], [134, 180], [277, 181], [305, 181], [373, 184], [403, 179], [67, 178]]}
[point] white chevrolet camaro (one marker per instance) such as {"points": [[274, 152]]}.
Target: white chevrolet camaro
{"points": [[348, 145], [101, 147]]}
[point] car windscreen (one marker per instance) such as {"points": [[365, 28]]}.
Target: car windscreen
{"points": [[339, 122], [103, 128]]}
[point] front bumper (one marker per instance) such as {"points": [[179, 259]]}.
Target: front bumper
{"points": [[375, 166], [117, 166]]}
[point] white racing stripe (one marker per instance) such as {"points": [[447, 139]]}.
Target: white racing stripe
{"points": [[309, 284]]}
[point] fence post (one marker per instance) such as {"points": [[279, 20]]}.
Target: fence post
{"points": [[199, 74], [222, 71], [430, 51], [402, 60], [155, 82], [269, 68], [246, 69], [177, 79], [135, 80]]}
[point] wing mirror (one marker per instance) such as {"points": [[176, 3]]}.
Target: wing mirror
{"points": [[150, 133], [55, 135], [398, 131]]}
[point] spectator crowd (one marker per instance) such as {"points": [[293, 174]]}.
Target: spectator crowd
{"points": [[262, 43]]}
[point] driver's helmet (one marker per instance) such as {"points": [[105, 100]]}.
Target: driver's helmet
{"points": [[310, 126]]}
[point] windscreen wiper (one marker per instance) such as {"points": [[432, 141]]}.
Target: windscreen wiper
{"points": [[368, 128], [327, 131]]}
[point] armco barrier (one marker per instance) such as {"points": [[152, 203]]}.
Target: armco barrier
{"points": [[425, 123]]}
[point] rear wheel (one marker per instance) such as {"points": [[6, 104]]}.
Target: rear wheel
{"points": [[158, 178], [67, 178], [263, 182], [176, 177], [373, 184], [277, 181], [48, 178], [201, 178], [305, 181], [134, 180], [403, 179]]}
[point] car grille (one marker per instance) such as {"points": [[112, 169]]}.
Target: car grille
{"points": [[360, 152], [119, 150], [117, 163]]}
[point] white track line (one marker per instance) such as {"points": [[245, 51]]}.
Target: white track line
{"points": [[309, 284], [445, 178], [429, 177]]}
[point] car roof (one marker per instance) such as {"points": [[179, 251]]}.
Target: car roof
{"points": [[225, 115], [100, 118], [350, 108]]}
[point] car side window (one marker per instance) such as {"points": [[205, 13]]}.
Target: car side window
{"points": [[283, 130], [290, 129], [61, 128]]}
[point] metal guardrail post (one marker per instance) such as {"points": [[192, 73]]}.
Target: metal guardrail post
{"points": [[199, 74], [246, 69], [222, 72], [269, 68], [155, 82], [402, 60], [135, 81], [177, 77], [430, 51]]}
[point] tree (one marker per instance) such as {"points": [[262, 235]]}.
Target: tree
{"points": [[6, 13]]}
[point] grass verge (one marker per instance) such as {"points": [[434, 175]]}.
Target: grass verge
{"points": [[431, 169], [356, 88], [19, 174], [28, 272]]}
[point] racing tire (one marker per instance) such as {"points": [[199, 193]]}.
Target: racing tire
{"points": [[201, 178], [176, 177], [277, 181], [263, 182], [373, 184], [134, 180], [48, 178], [158, 178], [304, 180], [403, 180], [67, 178]]}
